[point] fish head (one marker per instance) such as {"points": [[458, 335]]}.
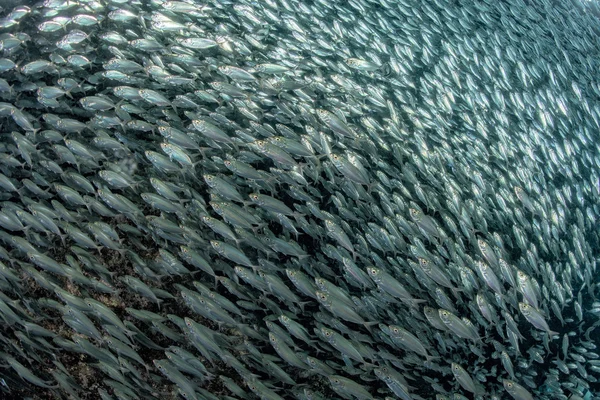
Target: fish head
{"points": [[394, 330], [353, 62], [159, 365], [456, 368], [209, 179], [311, 361], [291, 274], [327, 333], [217, 85], [508, 385], [525, 308], [273, 339], [254, 197], [415, 214], [518, 192], [284, 319], [424, 263], [322, 298], [483, 246], [444, 315], [323, 115], [335, 381]]}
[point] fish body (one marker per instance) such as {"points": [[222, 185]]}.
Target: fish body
{"points": [[517, 391]]}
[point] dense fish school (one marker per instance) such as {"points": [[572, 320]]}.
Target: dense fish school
{"points": [[362, 199]]}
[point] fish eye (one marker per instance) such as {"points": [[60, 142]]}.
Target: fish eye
{"points": [[509, 384], [445, 313], [327, 333], [396, 330]]}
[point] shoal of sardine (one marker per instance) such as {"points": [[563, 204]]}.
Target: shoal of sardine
{"points": [[362, 199]]}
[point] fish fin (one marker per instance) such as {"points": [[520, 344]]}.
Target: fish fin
{"points": [[303, 303], [369, 324]]}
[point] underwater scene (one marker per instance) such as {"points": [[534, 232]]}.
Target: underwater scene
{"points": [[316, 199]]}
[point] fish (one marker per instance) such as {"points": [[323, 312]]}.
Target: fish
{"points": [[463, 378], [348, 387], [536, 318], [341, 310], [457, 325], [517, 391], [394, 381], [408, 341], [228, 251], [341, 344], [285, 352], [390, 285], [26, 374], [238, 179], [167, 369]]}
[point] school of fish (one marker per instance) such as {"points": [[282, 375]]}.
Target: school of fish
{"points": [[279, 199]]}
